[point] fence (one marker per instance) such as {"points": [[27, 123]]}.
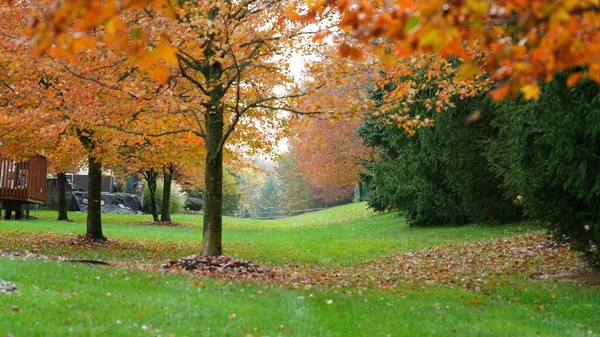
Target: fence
{"points": [[23, 181], [274, 215]]}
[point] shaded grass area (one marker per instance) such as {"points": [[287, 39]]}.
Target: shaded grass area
{"points": [[60, 299], [341, 235]]}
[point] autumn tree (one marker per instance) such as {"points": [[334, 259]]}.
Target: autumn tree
{"points": [[77, 92], [230, 71], [165, 155], [516, 42], [233, 56], [66, 156], [231, 194], [297, 191], [330, 152]]}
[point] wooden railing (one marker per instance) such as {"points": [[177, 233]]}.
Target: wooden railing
{"points": [[23, 181]]}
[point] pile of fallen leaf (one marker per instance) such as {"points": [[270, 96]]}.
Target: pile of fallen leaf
{"points": [[218, 267], [82, 240], [161, 223]]}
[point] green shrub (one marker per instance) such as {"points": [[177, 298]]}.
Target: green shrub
{"points": [[194, 204], [176, 202]]}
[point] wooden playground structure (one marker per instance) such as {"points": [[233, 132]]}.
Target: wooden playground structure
{"points": [[21, 183]]}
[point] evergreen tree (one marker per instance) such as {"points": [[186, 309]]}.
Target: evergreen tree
{"points": [[548, 154]]}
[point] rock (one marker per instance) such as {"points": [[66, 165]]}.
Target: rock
{"points": [[7, 287]]}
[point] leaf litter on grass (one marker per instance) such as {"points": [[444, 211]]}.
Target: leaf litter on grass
{"points": [[474, 266]]}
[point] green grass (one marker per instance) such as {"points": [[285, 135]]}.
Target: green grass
{"points": [[340, 235], [61, 299], [65, 299]]}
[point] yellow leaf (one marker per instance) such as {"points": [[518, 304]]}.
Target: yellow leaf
{"points": [[432, 39], [467, 71], [114, 25], [531, 91], [166, 52], [160, 73], [84, 43]]}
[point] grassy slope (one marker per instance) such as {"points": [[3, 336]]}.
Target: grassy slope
{"points": [[59, 299]]}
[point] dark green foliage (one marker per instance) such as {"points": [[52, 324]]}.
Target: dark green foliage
{"points": [[439, 176], [193, 204], [548, 153]]}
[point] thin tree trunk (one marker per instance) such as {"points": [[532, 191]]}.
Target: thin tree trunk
{"points": [[360, 192], [151, 179], [213, 207], [166, 201], [62, 197], [94, 213]]}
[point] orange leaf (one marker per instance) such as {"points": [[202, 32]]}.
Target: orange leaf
{"points": [[574, 79], [55, 52], [501, 92], [160, 73], [320, 35], [147, 59], [348, 51], [402, 50]]}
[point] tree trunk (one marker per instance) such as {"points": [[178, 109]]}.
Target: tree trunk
{"points": [[151, 179], [213, 207], [94, 218], [360, 192], [62, 197], [166, 201]]}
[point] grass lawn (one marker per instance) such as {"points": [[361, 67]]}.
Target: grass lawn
{"points": [[340, 235], [70, 299]]}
